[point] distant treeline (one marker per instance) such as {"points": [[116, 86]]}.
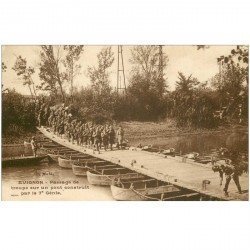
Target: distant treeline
{"points": [[191, 104], [222, 99]]}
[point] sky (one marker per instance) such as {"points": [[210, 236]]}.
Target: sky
{"points": [[202, 64]]}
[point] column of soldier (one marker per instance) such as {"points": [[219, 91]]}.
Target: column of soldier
{"points": [[88, 134]]}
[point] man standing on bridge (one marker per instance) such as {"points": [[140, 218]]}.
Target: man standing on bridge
{"points": [[120, 136], [230, 170], [34, 145]]}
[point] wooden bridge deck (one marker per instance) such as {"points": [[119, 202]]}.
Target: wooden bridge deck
{"points": [[188, 175]]}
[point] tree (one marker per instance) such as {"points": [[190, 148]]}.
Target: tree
{"points": [[146, 61], [50, 74], [230, 81], [99, 76], [185, 84], [239, 57], [229, 84], [183, 99], [147, 83], [193, 103], [25, 72], [100, 96], [72, 68]]}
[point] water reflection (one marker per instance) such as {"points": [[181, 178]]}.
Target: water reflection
{"points": [[203, 143]]}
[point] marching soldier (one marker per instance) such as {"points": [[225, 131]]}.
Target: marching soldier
{"points": [[97, 138], [78, 132], [104, 135], [111, 136], [91, 135], [120, 136], [82, 130]]}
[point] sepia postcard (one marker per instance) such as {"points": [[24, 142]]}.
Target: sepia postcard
{"points": [[125, 123]]}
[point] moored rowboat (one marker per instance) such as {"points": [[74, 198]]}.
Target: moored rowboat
{"points": [[52, 146], [95, 163], [140, 189], [81, 169], [65, 151], [53, 157], [64, 163], [56, 150], [107, 176]]}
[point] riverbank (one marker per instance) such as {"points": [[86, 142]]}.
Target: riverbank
{"points": [[160, 133]]}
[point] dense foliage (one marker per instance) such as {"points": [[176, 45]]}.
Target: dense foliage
{"points": [[18, 113]]}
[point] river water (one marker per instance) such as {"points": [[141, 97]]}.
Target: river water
{"points": [[77, 189], [202, 143], [82, 190]]}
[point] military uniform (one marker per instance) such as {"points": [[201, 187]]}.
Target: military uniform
{"points": [[97, 138], [120, 135], [91, 137], [218, 168], [104, 136], [111, 137], [84, 134], [232, 172]]}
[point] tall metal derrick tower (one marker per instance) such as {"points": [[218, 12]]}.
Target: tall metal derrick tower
{"points": [[121, 84], [160, 65]]}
